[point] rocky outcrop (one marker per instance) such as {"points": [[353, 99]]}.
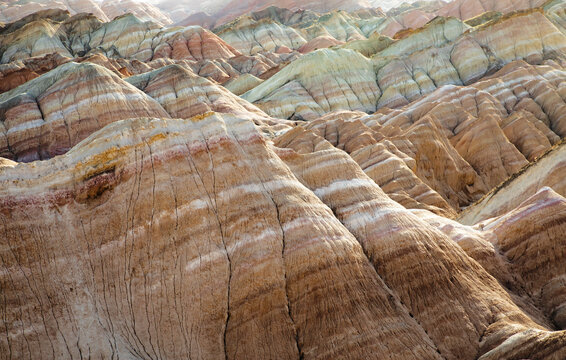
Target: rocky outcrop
{"points": [[409, 68], [276, 26], [346, 80], [445, 151], [155, 273], [413, 208], [213, 253], [366, 214], [243, 83], [17, 73], [320, 42], [130, 46], [126, 37], [184, 94], [50, 114], [298, 30], [250, 36], [548, 169]]}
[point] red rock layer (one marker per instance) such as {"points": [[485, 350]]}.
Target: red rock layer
{"points": [[197, 281], [448, 149], [49, 115], [546, 171], [392, 236], [167, 248]]}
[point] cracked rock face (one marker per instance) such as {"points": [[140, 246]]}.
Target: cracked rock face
{"points": [[155, 242], [352, 184]]}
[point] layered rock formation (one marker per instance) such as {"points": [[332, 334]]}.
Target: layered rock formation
{"points": [[274, 26], [49, 115], [445, 151], [138, 46], [445, 52], [548, 171], [412, 208], [167, 271], [52, 113]]}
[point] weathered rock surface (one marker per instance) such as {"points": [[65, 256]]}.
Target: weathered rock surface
{"points": [[364, 212], [413, 208], [547, 171], [50, 114], [243, 83], [126, 37], [250, 36], [184, 94], [155, 273], [445, 52], [448, 149]]}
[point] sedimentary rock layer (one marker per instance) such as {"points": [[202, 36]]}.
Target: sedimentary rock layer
{"points": [[133, 47], [169, 283], [547, 171], [50, 114], [413, 208], [445, 52], [448, 149]]}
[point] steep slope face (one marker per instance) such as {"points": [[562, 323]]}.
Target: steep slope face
{"points": [[531, 244], [391, 169], [547, 171], [49, 115], [143, 10], [208, 287], [250, 36], [147, 211], [444, 52], [12, 10], [445, 151], [301, 30], [126, 37], [17, 73], [132, 46], [243, 83], [184, 94], [275, 26], [139, 287], [383, 229], [346, 80]]}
